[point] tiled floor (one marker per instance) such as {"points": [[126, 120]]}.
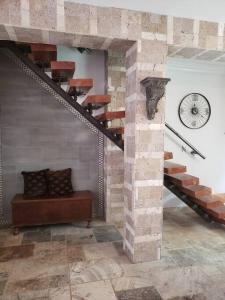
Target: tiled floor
{"points": [[71, 262]]}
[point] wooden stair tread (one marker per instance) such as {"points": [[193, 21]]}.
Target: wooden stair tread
{"points": [[97, 101], [62, 70], [196, 191], [183, 179], [168, 155], [43, 54], [116, 130], [218, 212], [82, 85], [111, 115], [173, 168], [208, 201]]}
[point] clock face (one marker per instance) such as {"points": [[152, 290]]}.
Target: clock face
{"points": [[194, 111]]}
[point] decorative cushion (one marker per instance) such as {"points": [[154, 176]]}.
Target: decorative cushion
{"points": [[59, 182], [35, 183]]}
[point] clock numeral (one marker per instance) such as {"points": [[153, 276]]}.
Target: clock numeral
{"points": [[206, 111], [181, 110], [195, 97], [194, 123]]}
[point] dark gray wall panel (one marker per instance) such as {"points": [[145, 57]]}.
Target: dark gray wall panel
{"points": [[38, 132]]}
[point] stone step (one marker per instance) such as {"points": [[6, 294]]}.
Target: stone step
{"points": [[183, 179], [62, 71], [111, 115], [168, 155], [196, 191], [208, 201], [173, 168], [96, 101], [81, 86], [43, 54]]}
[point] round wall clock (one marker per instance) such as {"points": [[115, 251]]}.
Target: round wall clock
{"points": [[194, 111]]}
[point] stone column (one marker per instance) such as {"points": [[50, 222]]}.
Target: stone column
{"points": [[143, 155], [113, 156]]}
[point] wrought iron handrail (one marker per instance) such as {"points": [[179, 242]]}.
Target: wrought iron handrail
{"points": [[194, 150]]}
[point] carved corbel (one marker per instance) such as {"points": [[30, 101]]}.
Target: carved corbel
{"points": [[155, 90]]}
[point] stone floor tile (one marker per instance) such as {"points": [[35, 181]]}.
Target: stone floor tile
{"points": [[36, 236], [20, 286], [16, 252], [75, 253], [190, 297], [100, 250], [57, 281], [58, 270], [31, 295], [60, 293], [13, 240], [94, 270], [99, 290], [107, 233], [128, 283], [59, 237], [81, 238], [2, 286], [145, 293], [186, 257], [64, 229], [180, 282]]}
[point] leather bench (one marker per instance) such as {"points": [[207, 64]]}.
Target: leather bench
{"points": [[51, 210]]}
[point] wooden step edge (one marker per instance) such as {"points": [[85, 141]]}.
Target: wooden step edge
{"points": [[173, 168], [40, 47], [182, 179], [196, 191], [218, 212], [80, 83], [111, 115], [62, 65], [208, 202], [97, 100], [168, 155]]}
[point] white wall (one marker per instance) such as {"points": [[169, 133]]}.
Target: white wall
{"points": [[196, 9], [209, 80]]}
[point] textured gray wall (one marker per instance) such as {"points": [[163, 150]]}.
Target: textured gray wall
{"points": [[38, 132]]}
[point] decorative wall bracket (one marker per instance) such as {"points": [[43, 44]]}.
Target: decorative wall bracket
{"points": [[155, 90]]}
